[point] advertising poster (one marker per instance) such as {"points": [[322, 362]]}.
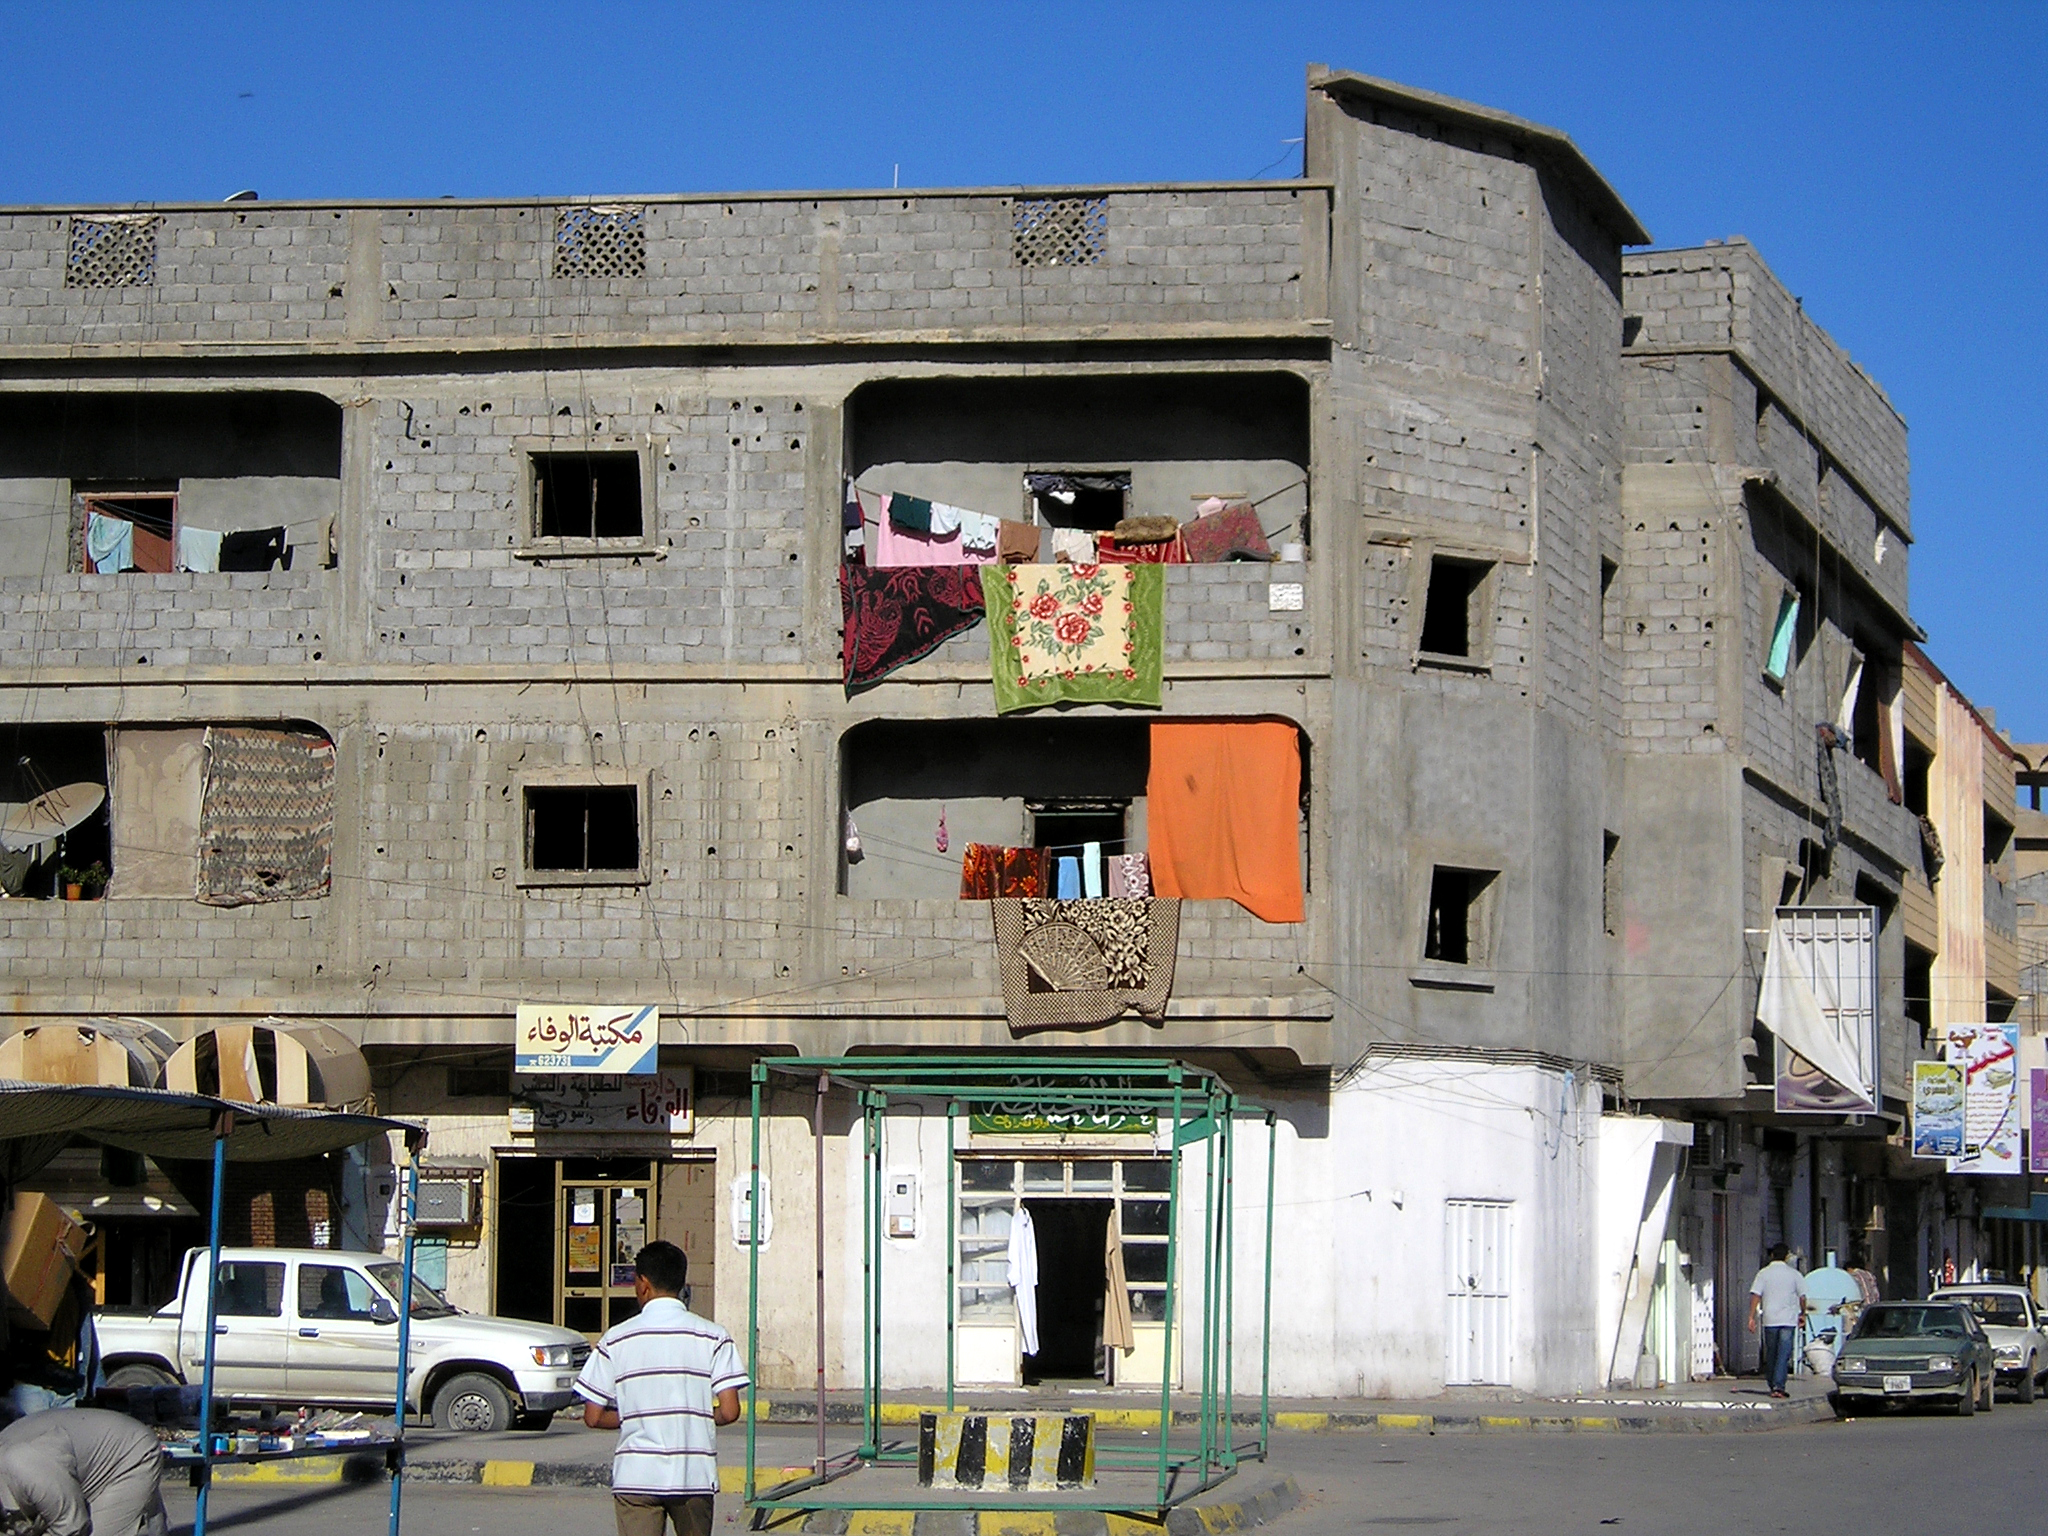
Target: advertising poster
{"points": [[2037, 1137], [1989, 1056], [1937, 1109]]}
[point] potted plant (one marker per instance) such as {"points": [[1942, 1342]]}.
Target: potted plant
{"points": [[82, 884]]}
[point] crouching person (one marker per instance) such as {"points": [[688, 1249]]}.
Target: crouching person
{"points": [[74, 1471]]}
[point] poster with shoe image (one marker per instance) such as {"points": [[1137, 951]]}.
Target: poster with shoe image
{"points": [[1989, 1056]]}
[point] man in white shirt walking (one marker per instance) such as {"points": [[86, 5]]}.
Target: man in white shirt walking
{"points": [[664, 1380], [1777, 1298]]}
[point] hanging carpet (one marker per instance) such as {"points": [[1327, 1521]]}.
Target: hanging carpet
{"points": [[1067, 964]]}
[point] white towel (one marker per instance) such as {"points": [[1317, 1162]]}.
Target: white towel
{"points": [[977, 530], [198, 549], [945, 519], [110, 541], [1076, 546], [1091, 870]]}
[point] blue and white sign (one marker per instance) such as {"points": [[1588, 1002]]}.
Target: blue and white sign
{"points": [[611, 1041]]}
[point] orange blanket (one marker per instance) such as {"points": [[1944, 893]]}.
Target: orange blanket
{"points": [[1222, 815]]}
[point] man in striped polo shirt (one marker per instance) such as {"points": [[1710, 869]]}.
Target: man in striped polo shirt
{"points": [[664, 1380]]}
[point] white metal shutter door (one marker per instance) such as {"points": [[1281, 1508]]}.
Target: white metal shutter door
{"points": [[1477, 1262]]}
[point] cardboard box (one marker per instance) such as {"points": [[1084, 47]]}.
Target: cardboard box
{"points": [[40, 1245]]}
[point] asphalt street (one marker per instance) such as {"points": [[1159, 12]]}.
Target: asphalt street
{"points": [[1885, 1474]]}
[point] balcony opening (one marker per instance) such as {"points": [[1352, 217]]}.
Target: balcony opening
{"points": [[586, 495], [1919, 763], [57, 842], [1610, 884], [583, 829], [1085, 453]]}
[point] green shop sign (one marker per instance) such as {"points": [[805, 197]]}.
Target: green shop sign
{"points": [[1063, 1122]]}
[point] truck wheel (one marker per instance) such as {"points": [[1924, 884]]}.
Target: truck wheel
{"points": [[137, 1374], [473, 1403], [2027, 1379]]}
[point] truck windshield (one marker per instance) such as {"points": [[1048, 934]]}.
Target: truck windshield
{"points": [[424, 1302]]}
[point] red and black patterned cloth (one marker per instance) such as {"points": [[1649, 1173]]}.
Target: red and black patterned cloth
{"points": [[989, 872], [896, 614]]}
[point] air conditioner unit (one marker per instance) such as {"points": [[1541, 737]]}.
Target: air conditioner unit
{"points": [[448, 1202]]}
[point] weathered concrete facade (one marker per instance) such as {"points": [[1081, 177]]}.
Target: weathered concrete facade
{"points": [[1428, 356]]}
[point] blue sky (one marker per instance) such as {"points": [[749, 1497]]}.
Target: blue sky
{"points": [[1887, 160]]}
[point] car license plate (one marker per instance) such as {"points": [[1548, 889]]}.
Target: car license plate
{"points": [[1898, 1383]]}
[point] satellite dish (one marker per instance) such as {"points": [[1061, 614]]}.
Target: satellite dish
{"points": [[246, 195], [24, 826]]}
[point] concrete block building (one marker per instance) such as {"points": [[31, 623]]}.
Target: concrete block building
{"points": [[545, 706]]}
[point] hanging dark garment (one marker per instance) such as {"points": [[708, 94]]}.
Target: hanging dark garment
{"points": [[255, 549], [896, 614]]}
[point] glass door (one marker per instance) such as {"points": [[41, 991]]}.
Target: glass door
{"points": [[603, 1224]]}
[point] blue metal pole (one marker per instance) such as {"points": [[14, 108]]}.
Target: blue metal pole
{"points": [[223, 1127], [407, 1212]]}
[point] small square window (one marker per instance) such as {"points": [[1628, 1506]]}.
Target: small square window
{"points": [[1454, 611], [1059, 231], [586, 496], [1459, 924], [600, 242], [1785, 646], [583, 830]]}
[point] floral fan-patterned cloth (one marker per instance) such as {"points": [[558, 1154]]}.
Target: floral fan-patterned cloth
{"points": [[1078, 633]]}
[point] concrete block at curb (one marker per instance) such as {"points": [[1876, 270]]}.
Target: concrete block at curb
{"points": [[1257, 1506]]}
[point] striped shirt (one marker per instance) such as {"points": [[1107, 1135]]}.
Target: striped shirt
{"points": [[662, 1371]]}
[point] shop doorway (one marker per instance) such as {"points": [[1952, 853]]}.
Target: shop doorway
{"points": [[1070, 1200], [1071, 1238], [567, 1229]]}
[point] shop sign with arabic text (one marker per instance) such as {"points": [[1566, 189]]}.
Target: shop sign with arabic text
{"points": [[610, 1041], [661, 1103]]}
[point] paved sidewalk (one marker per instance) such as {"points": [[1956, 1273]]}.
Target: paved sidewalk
{"points": [[568, 1455]]}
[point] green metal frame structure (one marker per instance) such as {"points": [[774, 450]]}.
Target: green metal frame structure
{"points": [[1197, 1106]]}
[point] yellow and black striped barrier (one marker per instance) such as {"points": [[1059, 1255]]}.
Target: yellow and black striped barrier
{"points": [[1027, 1452]]}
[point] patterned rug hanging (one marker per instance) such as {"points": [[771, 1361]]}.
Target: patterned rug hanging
{"points": [[266, 816], [1081, 964]]}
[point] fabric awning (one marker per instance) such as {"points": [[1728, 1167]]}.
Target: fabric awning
{"points": [[170, 1125]]}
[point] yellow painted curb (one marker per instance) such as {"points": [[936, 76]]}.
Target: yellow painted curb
{"points": [[1218, 1518], [323, 1471], [1123, 1418], [1592, 1423], [907, 1413], [1407, 1421], [1301, 1421], [1503, 1421], [1125, 1525], [881, 1522], [1013, 1522], [734, 1479], [508, 1474]]}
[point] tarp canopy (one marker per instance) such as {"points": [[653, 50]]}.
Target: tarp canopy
{"points": [[1801, 1007], [168, 1125]]}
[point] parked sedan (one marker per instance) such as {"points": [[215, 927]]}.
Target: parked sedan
{"points": [[2013, 1324], [1917, 1351]]}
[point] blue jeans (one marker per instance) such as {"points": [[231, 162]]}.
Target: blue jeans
{"points": [[1777, 1361]]}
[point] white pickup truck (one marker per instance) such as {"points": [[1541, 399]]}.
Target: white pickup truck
{"points": [[315, 1327]]}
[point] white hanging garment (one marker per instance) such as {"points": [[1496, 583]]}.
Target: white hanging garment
{"points": [[1023, 1258]]}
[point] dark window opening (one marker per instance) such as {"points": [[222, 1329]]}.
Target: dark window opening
{"points": [[1998, 1008], [1450, 614], [1610, 887], [1872, 894], [1094, 501], [1066, 826], [1919, 978], [586, 496], [1919, 761], [1997, 836], [1456, 933], [583, 829], [479, 1082], [1610, 620]]}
